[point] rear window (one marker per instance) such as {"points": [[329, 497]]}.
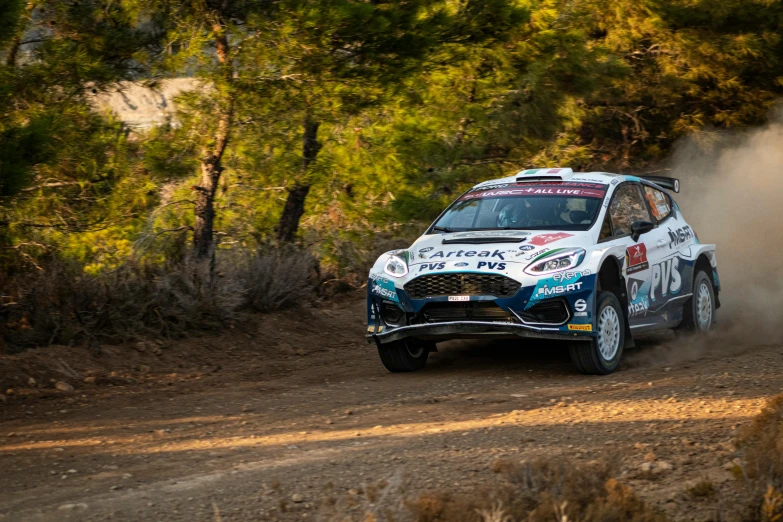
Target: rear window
{"points": [[660, 204], [545, 206]]}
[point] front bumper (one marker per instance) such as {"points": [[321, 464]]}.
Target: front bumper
{"points": [[467, 330], [487, 316]]}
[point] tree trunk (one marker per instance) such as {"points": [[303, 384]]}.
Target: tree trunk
{"points": [[16, 41], [211, 161], [295, 203]]}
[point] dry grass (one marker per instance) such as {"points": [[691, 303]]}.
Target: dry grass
{"points": [[541, 491], [761, 444], [280, 278], [63, 305], [703, 489]]}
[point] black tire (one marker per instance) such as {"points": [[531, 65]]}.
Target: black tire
{"points": [[698, 313], [587, 355], [406, 355]]}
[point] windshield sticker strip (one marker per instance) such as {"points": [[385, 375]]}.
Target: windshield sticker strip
{"points": [[584, 190]]}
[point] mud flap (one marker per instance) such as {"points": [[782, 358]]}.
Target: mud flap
{"points": [[623, 298], [377, 311], [629, 342]]}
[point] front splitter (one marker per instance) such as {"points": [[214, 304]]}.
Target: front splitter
{"points": [[473, 330]]}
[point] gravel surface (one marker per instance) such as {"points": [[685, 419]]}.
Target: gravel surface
{"points": [[265, 422]]}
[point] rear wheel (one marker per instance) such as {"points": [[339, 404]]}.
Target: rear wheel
{"points": [[406, 355], [601, 355], [698, 315]]}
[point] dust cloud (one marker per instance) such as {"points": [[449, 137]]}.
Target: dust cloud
{"points": [[732, 195]]}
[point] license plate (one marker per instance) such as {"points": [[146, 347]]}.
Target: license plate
{"points": [[459, 298]]}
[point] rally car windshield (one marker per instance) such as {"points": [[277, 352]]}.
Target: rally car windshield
{"points": [[558, 207]]}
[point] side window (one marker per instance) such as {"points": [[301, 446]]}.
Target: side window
{"points": [[606, 229], [659, 203], [627, 206]]}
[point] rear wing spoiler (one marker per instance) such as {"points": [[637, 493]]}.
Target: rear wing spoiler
{"points": [[664, 182]]}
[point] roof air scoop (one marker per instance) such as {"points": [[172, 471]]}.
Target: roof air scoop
{"points": [[555, 174]]}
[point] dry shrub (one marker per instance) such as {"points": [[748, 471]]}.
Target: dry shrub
{"points": [[279, 278], [761, 444], [704, 488], [64, 305], [541, 491]]}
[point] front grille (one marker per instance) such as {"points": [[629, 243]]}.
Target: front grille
{"points": [[436, 285], [551, 311], [477, 311]]}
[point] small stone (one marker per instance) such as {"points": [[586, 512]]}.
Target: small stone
{"points": [[31, 381], [296, 497], [9, 391], [72, 471], [115, 488], [246, 408], [144, 368], [72, 507], [649, 457], [141, 346], [89, 380], [662, 466], [353, 492], [63, 386], [348, 412], [329, 421], [646, 466]]}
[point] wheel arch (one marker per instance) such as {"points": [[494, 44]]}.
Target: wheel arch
{"points": [[705, 260], [610, 278], [704, 264]]}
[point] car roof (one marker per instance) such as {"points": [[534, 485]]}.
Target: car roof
{"points": [[555, 175]]}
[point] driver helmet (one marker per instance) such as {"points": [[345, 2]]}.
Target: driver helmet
{"points": [[512, 215]]}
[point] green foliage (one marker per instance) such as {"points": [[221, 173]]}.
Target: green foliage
{"points": [[415, 101]]}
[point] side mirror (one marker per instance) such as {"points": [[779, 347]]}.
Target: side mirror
{"points": [[640, 227]]}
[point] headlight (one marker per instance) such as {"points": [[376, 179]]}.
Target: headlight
{"points": [[396, 267], [556, 262]]}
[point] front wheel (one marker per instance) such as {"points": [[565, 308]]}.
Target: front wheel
{"points": [[406, 355], [698, 314], [601, 355]]}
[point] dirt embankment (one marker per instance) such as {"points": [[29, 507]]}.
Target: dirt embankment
{"points": [[265, 422]]}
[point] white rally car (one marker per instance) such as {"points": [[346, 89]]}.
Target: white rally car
{"points": [[590, 258]]}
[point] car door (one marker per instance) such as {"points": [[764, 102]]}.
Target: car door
{"points": [[626, 207], [667, 268]]}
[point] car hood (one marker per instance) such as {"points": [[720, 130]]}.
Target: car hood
{"points": [[504, 251]]}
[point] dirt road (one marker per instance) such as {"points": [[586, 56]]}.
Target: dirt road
{"points": [[262, 424]]}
